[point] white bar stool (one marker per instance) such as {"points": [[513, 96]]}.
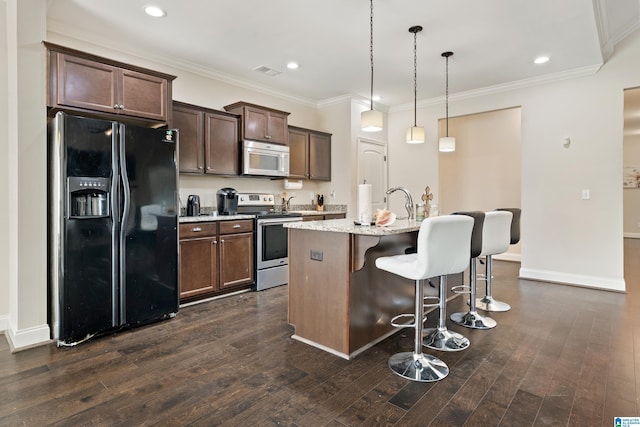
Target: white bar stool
{"points": [[472, 319], [443, 248], [496, 238]]}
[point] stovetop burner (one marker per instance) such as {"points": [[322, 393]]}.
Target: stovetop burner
{"points": [[262, 205]]}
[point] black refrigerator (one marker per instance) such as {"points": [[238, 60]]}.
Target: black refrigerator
{"points": [[113, 226]]}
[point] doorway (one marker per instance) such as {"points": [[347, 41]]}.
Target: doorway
{"points": [[372, 169]]}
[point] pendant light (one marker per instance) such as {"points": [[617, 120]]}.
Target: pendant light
{"points": [[371, 120], [447, 143], [415, 134]]}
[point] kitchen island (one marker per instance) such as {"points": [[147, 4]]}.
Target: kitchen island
{"points": [[339, 301]]}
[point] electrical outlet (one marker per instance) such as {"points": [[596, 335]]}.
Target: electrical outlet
{"points": [[316, 255], [586, 194]]}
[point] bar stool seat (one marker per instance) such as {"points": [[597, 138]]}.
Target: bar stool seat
{"points": [[443, 248], [496, 238], [473, 319]]}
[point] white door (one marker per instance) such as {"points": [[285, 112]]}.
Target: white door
{"points": [[372, 167]]}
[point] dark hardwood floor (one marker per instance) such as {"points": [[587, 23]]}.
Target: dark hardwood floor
{"points": [[563, 356]]}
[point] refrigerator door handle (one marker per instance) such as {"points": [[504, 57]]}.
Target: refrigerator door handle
{"points": [[126, 203], [115, 226]]}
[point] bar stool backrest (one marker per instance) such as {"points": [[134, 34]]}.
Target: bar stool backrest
{"points": [[476, 233], [515, 223], [444, 244], [496, 232]]}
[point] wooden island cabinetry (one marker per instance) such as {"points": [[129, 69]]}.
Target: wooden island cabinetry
{"points": [[83, 82], [208, 141], [309, 154], [261, 123], [215, 257]]}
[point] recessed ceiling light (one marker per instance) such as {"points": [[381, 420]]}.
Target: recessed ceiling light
{"points": [[541, 60], [293, 65], [154, 11]]}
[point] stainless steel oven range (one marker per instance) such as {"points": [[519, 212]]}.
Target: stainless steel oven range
{"points": [[272, 256]]}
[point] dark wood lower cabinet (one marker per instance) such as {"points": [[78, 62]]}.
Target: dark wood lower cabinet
{"points": [[215, 258], [198, 267]]}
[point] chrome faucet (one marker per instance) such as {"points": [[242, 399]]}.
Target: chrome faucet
{"points": [[408, 201], [286, 205]]}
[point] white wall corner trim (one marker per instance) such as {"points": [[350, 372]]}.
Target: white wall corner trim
{"points": [[26, 338], [605, 283]]}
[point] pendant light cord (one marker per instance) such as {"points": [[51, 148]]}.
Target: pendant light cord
{"points": [[446, 55], [371, 50], [415, 77], [447, 95]]}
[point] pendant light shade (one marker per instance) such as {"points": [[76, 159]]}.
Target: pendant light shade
{"points": [[415, 134], [371, 120], [447, 143]]}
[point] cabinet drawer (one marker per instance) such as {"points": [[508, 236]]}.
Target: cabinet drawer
{"points": [[198, 229], [240, 226]]}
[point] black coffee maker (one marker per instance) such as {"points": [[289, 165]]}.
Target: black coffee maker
{"points": [[227, 199], [193, 205]]}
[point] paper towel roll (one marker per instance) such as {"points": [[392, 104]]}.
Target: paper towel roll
{"points": [[364, 199]]}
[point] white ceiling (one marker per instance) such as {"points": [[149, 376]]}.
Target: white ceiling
{"points": [[494, 41]]}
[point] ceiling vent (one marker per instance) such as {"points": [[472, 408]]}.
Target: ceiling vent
{"points": [[266, 70]]}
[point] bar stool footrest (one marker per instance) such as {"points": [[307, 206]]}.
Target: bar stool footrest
{"points": [[461, 289], [430, 305], [396, 319]]}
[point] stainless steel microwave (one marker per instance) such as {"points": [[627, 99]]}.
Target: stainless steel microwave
{"points": [[265, 159]]}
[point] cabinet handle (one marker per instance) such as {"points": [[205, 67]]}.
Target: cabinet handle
{"points": [[115, 107], [208, 168], [121, 107], [236, 226], [268, 136], [222, 241], [215, 242], [200, 167], [196, 229]]}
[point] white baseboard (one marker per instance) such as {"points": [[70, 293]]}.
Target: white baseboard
{"points": [[632, 235], [609, 284], [27, 338]]}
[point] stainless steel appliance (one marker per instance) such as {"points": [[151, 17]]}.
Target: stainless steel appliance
{"points": [[265, 159], [227, 200], [193, 205], [113, 227], [272, 246]]}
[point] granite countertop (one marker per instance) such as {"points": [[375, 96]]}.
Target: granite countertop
{"points": [[309, 212], [348, 226], [204, 218]]}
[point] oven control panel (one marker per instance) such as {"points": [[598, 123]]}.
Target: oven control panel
{"points": [[256, 199]]}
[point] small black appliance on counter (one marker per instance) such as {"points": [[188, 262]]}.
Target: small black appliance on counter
{"points": [[227, 199], [193, 205]]}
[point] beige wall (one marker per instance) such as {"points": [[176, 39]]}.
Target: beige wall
{"points": [[631, 197], [483, 173], [4, 176]]}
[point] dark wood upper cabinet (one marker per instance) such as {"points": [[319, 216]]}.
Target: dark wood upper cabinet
{"points": [[208, 140], [82, 82], [189, 122], [298, 153], [309, 154], [261, 123], [320, 156]]}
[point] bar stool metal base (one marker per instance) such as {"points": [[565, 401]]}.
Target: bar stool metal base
{"points": [[418, 366], [471, 319], [444, 340], [489, 304]]}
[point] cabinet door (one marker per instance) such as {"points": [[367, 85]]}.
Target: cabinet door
{"points": [[87, 84], [277, 129], [320, 157], [221, 145], [198, 266], [255, 124], [189, 123], [236, 260], [298, 154], [143, 95]]}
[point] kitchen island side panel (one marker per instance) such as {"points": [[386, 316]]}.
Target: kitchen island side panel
{"points": [[318, 288]]}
